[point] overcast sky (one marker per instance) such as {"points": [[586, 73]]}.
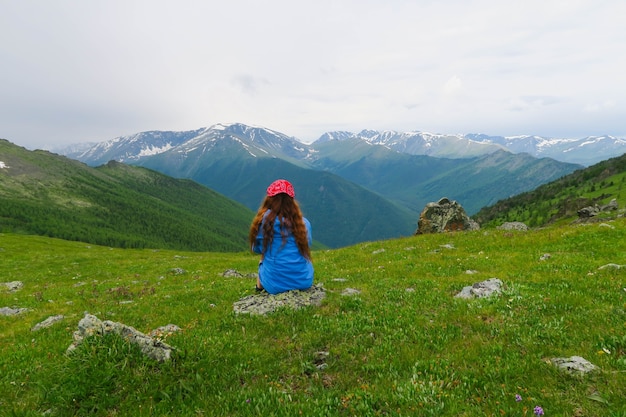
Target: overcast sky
{"points": [[89, 71]]}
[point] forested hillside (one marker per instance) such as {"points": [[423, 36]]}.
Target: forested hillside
{"points": [[560, 200], [115, 205]]}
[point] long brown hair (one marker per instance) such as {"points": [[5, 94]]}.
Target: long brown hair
{"points": [[287, 210]]}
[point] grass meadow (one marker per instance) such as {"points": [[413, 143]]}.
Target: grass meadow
{"points": [[403, 346]]}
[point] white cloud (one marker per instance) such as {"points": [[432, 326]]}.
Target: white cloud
{"points": [[599, 107], [84, 71], [452, 86]]}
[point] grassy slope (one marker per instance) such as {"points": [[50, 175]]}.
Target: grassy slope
{"points": [[559, 201], [391, 351], [115, 204]]}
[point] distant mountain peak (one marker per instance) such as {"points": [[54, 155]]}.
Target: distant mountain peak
{"points": [[261, 141]]}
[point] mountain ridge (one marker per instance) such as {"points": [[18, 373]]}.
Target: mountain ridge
{"points": [[114, 204], [583, 151]]}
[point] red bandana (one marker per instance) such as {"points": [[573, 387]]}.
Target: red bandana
{"points": [[281, 186]]}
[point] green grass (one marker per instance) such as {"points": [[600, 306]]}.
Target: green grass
{"points": [[560, 200], [403, 346]]}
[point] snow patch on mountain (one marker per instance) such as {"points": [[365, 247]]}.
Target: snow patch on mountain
{"points": [[3, 165], [154, 150], [260, 141]]}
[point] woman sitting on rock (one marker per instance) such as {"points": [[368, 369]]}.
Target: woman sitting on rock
{"points": [[282, 236]]}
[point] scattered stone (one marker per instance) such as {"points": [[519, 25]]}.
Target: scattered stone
{"points": [[165, 330], [591, 211], [447, 246], [574, 365], [513, 226], [339, 279], [90, 326], [612, 266], [13, 285], [8, 311], [410, 289], [47, 322], [482, 289], [178, 271], [320, 359], [612, 206], [265, 303], [233, 273], [545, 257], [376, 252], [350, 292], [587, 212], [444, 216], [471, 272], [610, 226]]}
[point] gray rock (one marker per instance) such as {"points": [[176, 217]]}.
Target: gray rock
{"points": [[492, 286], [165, 330], [265, 303], [444, 216], [8, 311], [91, 326], [591, 211], [233, 273], [587, 212], [574, 365], [13, 285], [513, 226], [348, 292], [47, 323], [612, 266], [612, 206]]}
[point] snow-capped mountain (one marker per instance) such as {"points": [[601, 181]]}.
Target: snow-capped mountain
{"points": [[419, 143], [131, 148], [257, 141], [584, 151], [260, 141]]}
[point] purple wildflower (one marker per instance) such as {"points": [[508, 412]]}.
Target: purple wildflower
{"points": [[518, 397], [538, 411]]}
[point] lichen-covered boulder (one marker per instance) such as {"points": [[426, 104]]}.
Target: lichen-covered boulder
{"points": [[519, 226], [91, 325], [576, 365], [492, 286], [47, 322], [444, 216], [264, 303]]}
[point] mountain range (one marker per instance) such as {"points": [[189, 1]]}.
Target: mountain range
{"points": [[353, 188], [584, 151]]}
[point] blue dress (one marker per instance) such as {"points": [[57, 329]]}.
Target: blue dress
{"points": [[283, 267]]}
